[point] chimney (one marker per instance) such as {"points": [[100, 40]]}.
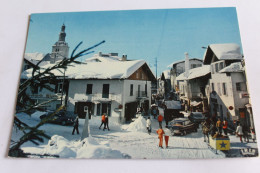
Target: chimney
{"points": [[100, 54], [124, 57], [187, 64]]}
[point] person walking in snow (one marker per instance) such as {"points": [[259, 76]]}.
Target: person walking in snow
{"points": [[103, 118], [106, 123], [167, 134], [219, 126], [253, 136], [245, 133], [76, 125], [239, 132], [149, 125], [160, 133], [160, 119], [225, 126]]}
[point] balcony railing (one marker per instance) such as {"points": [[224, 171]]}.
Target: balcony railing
{"points": [[46, 96], [100, 96], [140, 94]]}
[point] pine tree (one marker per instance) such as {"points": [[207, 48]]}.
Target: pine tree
{"points": [[41, 78]]}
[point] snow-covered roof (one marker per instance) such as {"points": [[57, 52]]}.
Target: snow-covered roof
{"points": [[96, 70], [167, 74], [234, 67], [195, 73], [97, 58], [34, 58], [228, 51], [182, 61]]}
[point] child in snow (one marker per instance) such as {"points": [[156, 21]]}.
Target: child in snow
{"points": [[149, 125], [167, 133], [160, 133]]}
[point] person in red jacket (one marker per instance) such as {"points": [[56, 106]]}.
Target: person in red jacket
{"points": [[160, 133], [160, 119], [103, 120]]}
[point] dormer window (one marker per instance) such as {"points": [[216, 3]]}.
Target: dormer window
{"points": [[216, 67]]}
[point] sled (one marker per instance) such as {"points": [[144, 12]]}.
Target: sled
{"points": [[222, 144]]}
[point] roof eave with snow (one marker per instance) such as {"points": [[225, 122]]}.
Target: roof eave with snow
{"points": [[195, 73], [228, 51]]}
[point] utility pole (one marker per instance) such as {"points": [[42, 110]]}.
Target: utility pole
{"points": [[156, 73]]}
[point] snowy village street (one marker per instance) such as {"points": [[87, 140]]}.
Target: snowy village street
{"points": [[122, 141]]}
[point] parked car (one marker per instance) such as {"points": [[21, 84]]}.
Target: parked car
{"points": [[182, 126], [196, 117], [59, 118]]}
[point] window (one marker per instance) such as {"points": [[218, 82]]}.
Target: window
{"points": [[238, 86], [216, 67], [224, 88], [35, 90], [212, 87], [131, 89], [199, 65], [221, 65], [89, 88], [212, 69], [145, 89], [139, 91], [219, 89], [105, 92], [193, 66], [142, 74], [137, 75], [58, 88]]}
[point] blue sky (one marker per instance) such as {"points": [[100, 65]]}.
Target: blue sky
{"points": [[140, 34]]}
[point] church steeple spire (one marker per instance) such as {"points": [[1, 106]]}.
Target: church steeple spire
{"points": [[62, 33], [60, 49]]}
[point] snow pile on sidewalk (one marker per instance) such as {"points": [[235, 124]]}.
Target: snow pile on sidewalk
{"points": [[87, 148], [138, 125]]}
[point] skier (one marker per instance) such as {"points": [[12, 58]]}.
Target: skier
{"points": [[76, 125], [160, 118], [160, 133], [106, 123], [225, 126], [239, 132], [149, 125], [103, 118], [167, 133]]}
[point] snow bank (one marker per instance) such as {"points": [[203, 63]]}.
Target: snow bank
{"points": [[87, 148], [138, 125]]}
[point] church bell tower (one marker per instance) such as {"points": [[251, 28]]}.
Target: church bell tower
{"points": [[60, 49]]}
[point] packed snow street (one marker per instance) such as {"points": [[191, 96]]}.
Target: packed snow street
{"points": [[122, 141]]}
